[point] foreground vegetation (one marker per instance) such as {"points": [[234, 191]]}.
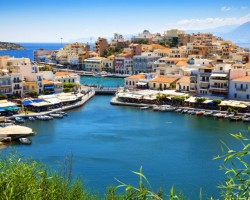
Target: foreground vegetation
{"points": [[22, 178]]}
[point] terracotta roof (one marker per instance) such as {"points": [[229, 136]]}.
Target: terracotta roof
{"points": [[137, 76], [243, 79], [181, 63], [184, 79], [46, 82], [62, 73], [163, 79]]}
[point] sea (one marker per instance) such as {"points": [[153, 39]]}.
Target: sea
{"points": [[108, 143]]}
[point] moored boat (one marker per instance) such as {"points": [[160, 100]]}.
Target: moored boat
{"points": [[25, 140], [199, 113], [207, 113], [219, 115], [246, 119], [156, 108], [236, 118], [31, 119], [19, 119], [56, 115], [144, 108]]}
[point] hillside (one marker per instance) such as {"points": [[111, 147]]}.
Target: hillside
{"points": [[10, 46]]}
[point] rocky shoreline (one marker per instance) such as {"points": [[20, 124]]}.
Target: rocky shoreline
{"points": [[10, 46]]}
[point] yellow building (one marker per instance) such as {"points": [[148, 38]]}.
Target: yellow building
{"points": [[162, 83], [29, 86]]}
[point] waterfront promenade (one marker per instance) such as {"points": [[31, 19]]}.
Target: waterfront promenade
{"points": [[85, 98]]}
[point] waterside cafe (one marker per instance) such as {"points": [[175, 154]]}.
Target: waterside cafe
{"points": [[146, 96], [50, 102], [8, 108]]}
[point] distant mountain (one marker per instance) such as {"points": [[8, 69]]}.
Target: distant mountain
{"points": [[216, 31], [241, 34], [10, 46]]}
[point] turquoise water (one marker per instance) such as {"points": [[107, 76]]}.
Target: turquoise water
{"points": [[108, 142], [105, 82]]}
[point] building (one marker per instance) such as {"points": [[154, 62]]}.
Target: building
{"points": [[162, 83], [29, 86], [108, 64], [203, 79], [100, 46], [93, 64], [173, 33], [137, 81], [145, 36], [47, 56], [183, 84], [240, 88], [5, 83], [144, 63], [136, 49], [123, 64], [64, 77], [48, 87]]}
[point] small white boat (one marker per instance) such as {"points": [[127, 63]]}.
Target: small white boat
{"points": [[208, 113], [62, 113], [144, 108], [219, 115], [156, 108], [56, 115], [178, 110], [25, 140], [31, 118], [19, 119], [246, 119], [184, 111]]}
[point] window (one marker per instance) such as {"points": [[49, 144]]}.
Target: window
{"points": [[235, 85], [247, 96], [235, 95]]}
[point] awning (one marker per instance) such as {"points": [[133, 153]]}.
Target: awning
{"points": [[191, 100], [28, 102], [141, 83], [49, 87], [40, 104], [2, 109], [219, 75], [208, 102]]}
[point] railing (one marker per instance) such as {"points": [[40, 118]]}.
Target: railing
{"points": [[241, 89], [17, 81], [17, 88]]}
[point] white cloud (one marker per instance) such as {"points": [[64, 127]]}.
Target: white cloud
{"points": [[207, 23], [226, 8], [243, 7]]}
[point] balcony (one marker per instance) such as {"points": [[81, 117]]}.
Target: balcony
{"points": [[17, 81], [5, 85], [17, 88], [216, 87], [241, 89]]}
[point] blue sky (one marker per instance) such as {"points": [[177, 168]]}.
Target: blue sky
{"points": [[49, 20]]}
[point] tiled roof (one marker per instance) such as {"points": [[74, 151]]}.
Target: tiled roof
{"points": [[163, 79], [46, 82], [62, 73], [243, 79], [137, 76], [184, 79]]}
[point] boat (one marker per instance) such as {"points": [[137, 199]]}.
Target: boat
{"points": [[178, 110], [56, 115], [19, 119], [25, 140], [144, 108], [199, 113], [156, 108], [246, 119], [169, 109], [207, 113], [62, 113], [236, 118], [229, 116], [31, 119], [184, 111], [219, 115], [193, 112]]}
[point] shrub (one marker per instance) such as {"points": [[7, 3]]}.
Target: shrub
{"points": [[66, 90], [69, 85], [216, 101], [27, 179]]}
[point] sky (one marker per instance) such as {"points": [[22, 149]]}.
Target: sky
{"points": [[50, 20]]}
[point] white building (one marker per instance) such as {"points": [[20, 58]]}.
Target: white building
{"points": [[240, 88]]}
